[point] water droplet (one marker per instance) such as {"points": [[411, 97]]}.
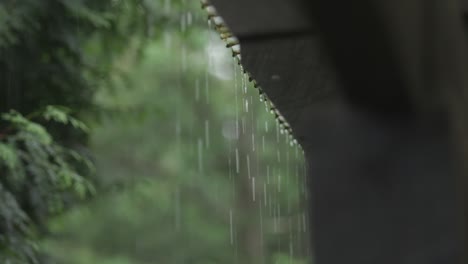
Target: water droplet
{"points": [[197, 90], [184, 59], [183, 23], [167, 41], [200, 155], [263, 144], [237, 161], [279, 182], [218, 21], [231, 226], [268, 174], [177, 209], [167, 6], [236, 49], [275, 77], [248, 166], [253, 189], [207, 134], [243, 125], [189, 18], [244, 82], [207, 88], [275, 220], [231, 42], [210, 10], [277, 132], [253, 142], [230, 167]]}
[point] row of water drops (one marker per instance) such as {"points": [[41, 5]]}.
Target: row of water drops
{"points": [[217, 23], [264, 165]]}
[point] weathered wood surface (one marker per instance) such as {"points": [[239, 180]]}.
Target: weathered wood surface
{"points": [[375, 100], [265, 17]]}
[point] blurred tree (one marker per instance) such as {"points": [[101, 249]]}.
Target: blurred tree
{"points": [[174, 194], [170, 133], [52, 52]]}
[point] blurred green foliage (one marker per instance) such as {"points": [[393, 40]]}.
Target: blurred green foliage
{"points": [[40, 177], [171, 189], [190, 167], [47, 52]]}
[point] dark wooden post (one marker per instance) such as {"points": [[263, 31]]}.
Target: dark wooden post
{"points": [[375, 92]]}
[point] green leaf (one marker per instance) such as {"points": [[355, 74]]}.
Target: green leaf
{"points": [[8, 156], [21, 123], [78, 125], [40, 132], [62, 115], [56, 114]]}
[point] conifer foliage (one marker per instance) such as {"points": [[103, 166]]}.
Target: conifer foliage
{"points": [[53, 56]]}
